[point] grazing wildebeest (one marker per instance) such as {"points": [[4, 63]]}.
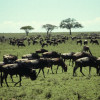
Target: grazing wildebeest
{"points": [[86, 49], [94, 41], [12, 42], [67, 56], [84, 62], [17, 69], [79, 42], [35, 42], [44, 44], [58, 62], [31, 56], [20, 44], [52, 54], [41, 51], [9, 59], [38, 64]]}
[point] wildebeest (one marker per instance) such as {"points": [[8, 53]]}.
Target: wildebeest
{"points": [[31, 56], [44, 44], [94, 41], [79, 42], [41, 51], [85, 42], [9, 59], [52, 54], [67, 56], [17, 69], [12, 42], [37, 64], [79, 55], [20, 44], [86, 49], [35, 42], [58, 62], [84, 62], [98, 62]]}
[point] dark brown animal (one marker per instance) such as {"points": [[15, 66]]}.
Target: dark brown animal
{"points": [[17, 69], [21, 44], [37, 64], [31, 56], [67, 56], [79, 55], [41, 51], [58, 62], [84, 62], [9, 59], [79, 42], [86, 49], [52, 54], [85, 42], [94, 41]]}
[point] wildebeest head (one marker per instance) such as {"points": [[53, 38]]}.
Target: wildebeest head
{"points": [[33, 74]]}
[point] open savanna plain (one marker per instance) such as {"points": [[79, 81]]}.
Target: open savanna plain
{"points": [[60, 86]]}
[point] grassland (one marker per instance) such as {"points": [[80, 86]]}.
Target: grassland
{"points": [[61, 86]]}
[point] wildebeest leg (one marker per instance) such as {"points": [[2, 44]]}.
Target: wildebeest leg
{"points": [[72, 63], [11, 78], [74, 70], [43, 72], [39, 71], [81, 71], [5, 76], [52, 70], [1, 79], [57, 69], [19, 81], [69, 61], [97, 70], [48, 71], [89, 70]]}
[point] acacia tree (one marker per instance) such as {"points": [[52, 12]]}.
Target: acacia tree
{"points": [[69, 24], [27, 29], [49, 28]]}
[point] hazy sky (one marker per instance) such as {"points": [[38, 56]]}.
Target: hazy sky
{"points": [[17, 13]]}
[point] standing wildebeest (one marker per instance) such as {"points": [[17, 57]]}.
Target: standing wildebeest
{"points": [[52, 54], [44, 44], [20, 44], [84, 62], [85, 42], [41, 51], [59, 62], [31, 56], [67, 56], [38, 64], [79, 42], [17, 69], [98, 62], [94, 41], [79, 55]]}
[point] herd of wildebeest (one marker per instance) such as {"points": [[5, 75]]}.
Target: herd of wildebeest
{"points": [[42, 58]]}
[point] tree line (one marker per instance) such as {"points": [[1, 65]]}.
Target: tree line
{"points": [[69, 23]]}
